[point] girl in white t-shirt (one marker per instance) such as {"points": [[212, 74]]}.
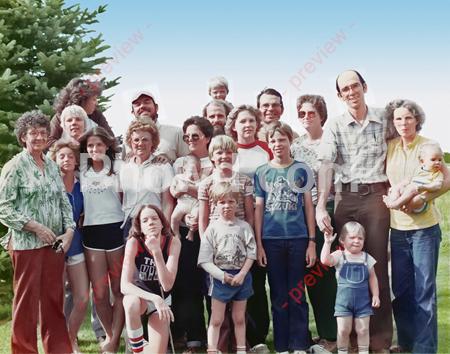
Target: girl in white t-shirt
{"points": [[102, 236]]}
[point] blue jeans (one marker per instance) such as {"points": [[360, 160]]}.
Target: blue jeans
{"points": [[414, 264], [286, 270]]}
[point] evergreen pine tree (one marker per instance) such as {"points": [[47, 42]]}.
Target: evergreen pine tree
{"points": [[43, 44]]}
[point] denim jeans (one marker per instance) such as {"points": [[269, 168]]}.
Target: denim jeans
{"points": [[414, 264], [286, 270]]}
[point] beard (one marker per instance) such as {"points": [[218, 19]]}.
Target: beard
{"points": [[218, 130]]}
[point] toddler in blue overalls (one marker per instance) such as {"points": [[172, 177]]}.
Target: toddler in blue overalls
{"points": [[355, 274]]}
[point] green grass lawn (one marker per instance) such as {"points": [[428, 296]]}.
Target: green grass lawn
{"points": [[88, 343]]}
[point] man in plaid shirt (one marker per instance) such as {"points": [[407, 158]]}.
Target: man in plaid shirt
{"points": [[353, 148]]}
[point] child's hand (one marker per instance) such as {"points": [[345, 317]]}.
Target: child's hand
{"points": [[375, 301], [329, 238], [152, 244], [262, 259], [238, 279], [228, 278]]}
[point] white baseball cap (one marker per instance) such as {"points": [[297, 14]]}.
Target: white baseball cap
{"points": [[140, 93]]}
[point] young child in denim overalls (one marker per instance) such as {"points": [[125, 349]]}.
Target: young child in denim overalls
{"points": [[355, 274]]}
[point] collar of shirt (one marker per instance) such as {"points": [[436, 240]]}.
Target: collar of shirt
{"points": [[410, 146], [371, 116]]}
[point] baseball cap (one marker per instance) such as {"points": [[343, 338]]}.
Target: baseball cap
{"points": [[140, 93]]}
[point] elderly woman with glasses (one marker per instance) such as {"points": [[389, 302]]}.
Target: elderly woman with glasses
{"points": [[35, 208]]}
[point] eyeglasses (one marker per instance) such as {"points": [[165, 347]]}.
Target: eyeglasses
{"points": [[193, 137], [310, 114]]}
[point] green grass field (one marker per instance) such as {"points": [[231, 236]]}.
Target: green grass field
{"points": [[88, 343]]}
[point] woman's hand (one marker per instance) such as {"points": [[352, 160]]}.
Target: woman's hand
{"points": [[44, 233], [164, 311], [66, 239], [311, 255]]}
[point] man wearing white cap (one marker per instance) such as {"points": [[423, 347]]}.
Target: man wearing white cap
{"points": [[171, 144]]}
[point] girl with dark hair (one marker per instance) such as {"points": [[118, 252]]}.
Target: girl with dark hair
{"points": [[149, 270], [102, 235], [81, 92]]}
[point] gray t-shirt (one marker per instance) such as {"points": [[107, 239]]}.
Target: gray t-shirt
{"points": [[227, 245]]}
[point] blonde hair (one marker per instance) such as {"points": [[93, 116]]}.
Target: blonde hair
{"points": [[74, 111], [221, 142], [352, 227], [430, 147], [217, 81], [145, 125]]}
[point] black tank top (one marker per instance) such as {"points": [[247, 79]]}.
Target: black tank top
{"points": [[147, 276]]}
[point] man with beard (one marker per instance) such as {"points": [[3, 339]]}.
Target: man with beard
{"points": [[171, 146], [216, 111]]}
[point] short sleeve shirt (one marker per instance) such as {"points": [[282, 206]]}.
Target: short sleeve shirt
{"points": [[239, 182], [227, 245], [282, 189]]}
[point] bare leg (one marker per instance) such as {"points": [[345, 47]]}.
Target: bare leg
{"points": [[396, 200], [97, 266], [158, 334], [79, 284], [134, 307], [177, 215], [238, 315], [115, 260], [344, 326], [215, 322], [362, 331]]}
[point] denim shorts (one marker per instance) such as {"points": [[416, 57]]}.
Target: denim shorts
{"points": [[75, 259], [226, 293], [352, 302]]}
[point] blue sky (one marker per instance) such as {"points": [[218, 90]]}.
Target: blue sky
{"points": [[297, 47]]}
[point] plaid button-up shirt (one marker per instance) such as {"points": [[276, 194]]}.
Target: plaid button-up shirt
{"points": [[358, 151]]}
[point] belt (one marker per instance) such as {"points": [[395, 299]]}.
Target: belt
{"points": [[363, 188]]}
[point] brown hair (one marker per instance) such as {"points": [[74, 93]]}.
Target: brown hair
{"points": [[108, 140], [62, 143], [136, 230]]}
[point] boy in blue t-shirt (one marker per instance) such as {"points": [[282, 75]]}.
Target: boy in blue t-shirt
{"points": [[285, 235]]}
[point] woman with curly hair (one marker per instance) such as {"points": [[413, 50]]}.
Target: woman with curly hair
{"points": [[149, 270], [102, 235], [142, 179], [81, 92], [35, 208]]}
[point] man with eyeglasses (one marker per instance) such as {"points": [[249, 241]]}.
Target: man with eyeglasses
{"points": [[171, 145], [353, 147], [270, 102]]}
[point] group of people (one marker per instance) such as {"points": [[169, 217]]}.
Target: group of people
{"points": [[176, 219]]}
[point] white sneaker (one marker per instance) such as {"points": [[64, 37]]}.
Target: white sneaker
{"points": [[299, 352], [260, 349]]}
